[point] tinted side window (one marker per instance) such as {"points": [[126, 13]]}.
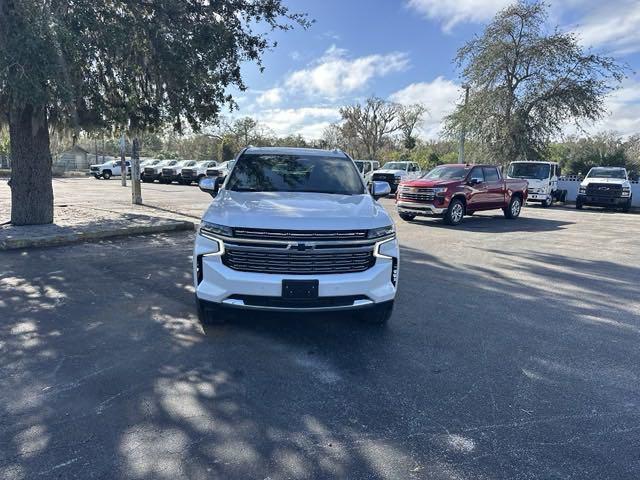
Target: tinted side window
{"points": [[491, 174], [476, 173]]}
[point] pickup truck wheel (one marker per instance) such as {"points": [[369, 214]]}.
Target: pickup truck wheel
{"points": [[627, 206], [455, 212], [209, 314], [514, 208], [378, 314], [106, 174], [407, 217], [147, 180], [578, 205], [547, 202]]}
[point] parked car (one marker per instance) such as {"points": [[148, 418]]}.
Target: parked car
{"points": [[366, 169], [109, 169], [295, 229], [220, 171], [171, 173], [196, 172], [542, 178], [606, 187], [150, 174], [453, 191], [395, 172]]}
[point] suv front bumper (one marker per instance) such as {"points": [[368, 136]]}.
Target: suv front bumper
{"points": [[216, 283]]}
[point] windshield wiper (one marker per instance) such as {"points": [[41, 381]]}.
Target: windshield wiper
{"points": [[245, 189]]}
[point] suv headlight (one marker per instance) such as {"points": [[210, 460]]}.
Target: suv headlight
{"points": [[209, 230], [381, 232]]}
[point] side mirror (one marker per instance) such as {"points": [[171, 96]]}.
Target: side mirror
{"points": [[209, 185], [473, 181], [380, 189]]}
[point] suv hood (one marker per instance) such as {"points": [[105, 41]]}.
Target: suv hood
{"points": [[296, 211], [612, 181]]}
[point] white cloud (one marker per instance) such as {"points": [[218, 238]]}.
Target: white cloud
{"points": [[307, 121], [335, 75], [623, 107], [615, 27], [450, 13], [273, 96], [439, 96]]}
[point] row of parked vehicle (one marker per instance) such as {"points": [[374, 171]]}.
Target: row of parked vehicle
{"points": [[183, 172]]}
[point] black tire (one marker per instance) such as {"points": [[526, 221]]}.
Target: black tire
{"points": [[209, 314], [547, 203], [407, 217], [378, 314], [106, 174], [627, 206], [514, 208], [147, 180], [455, 212], [578, 205]]}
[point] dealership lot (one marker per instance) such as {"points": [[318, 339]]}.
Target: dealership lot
{"points": [[512, 353]]}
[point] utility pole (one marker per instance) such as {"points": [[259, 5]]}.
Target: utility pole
{"points": [[136, 191], [123, 164], [463, 129]]}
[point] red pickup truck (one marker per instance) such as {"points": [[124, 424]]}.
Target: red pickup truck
{"points": [[453, 191]]}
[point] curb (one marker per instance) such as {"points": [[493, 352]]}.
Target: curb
{"points": [[79, 237]]}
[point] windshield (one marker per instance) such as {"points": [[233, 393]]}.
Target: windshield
{"points": [[295, 173], [395, 165], [359, 165], [537, 171], [449, 172], [606, 173]]}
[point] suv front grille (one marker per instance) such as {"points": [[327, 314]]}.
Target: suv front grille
{"points": [[299, 235], [298, 263], [604, 190], [416, 194]]}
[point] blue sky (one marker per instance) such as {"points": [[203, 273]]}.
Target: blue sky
{"points": [[403, 49]]}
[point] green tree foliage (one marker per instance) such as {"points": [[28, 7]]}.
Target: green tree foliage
{"points": [[527, 83], [119, 64]]}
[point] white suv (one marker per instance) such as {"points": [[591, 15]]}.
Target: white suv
{"points": [[295, 229]]}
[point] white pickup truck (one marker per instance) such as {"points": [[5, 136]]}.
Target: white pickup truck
{"points": [[295, 229], [195, 173], [108, 169], [606, 187], [395, 172], [542, 178]]}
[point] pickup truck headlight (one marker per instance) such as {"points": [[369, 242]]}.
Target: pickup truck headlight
{"points": [[381, 232], [582, 190], [626, 192], [440, 191]]}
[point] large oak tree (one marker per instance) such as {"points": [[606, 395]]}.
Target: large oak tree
{"points": [[528, 82], [136, 64]]}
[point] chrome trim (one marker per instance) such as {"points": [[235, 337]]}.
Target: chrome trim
{"points": [[236, 303], [420, 208], [368, 241]]}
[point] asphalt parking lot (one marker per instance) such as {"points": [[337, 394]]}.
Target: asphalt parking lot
{"points": [[512, 354]]}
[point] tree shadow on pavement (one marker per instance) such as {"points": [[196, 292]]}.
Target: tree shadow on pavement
{"points": [[105, 372]]}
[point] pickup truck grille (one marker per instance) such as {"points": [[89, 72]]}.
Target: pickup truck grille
{"points": [[416, 194], [167, 172], [384, 177], [94, 169], [212, 172], [298, 263], [149, 170], [187, 172], [604, 190], [299, 235]]}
